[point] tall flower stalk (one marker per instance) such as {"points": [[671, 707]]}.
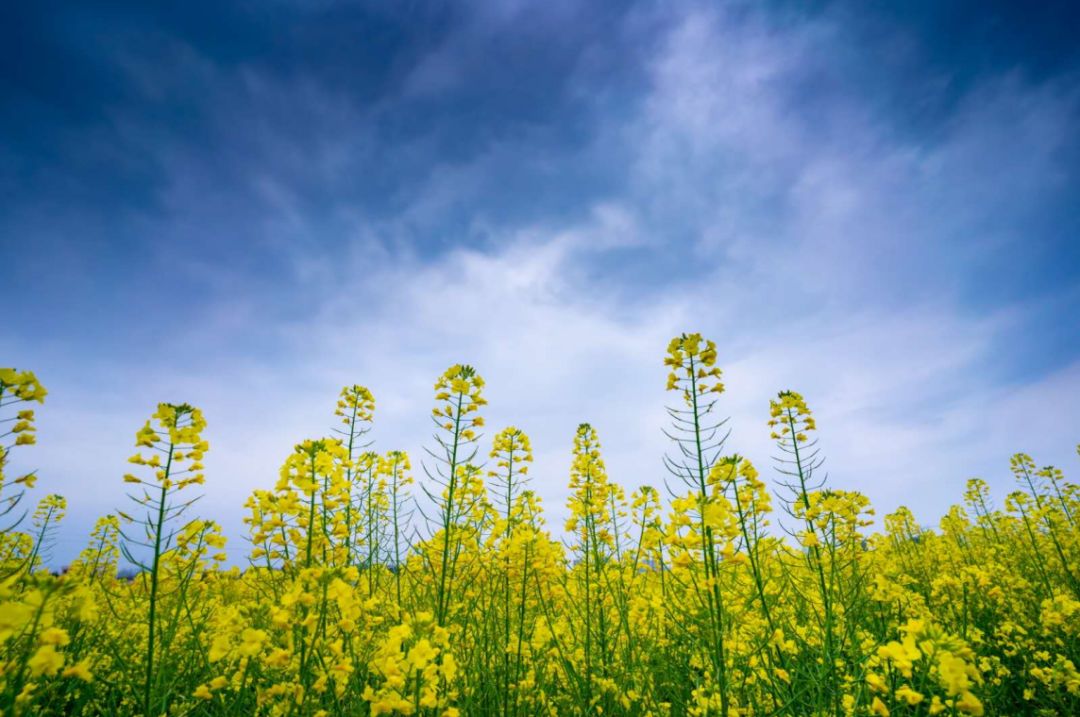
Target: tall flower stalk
{"points": [[17, 388], [512, 454], [698, 435], [456, 416], [172, 452]]}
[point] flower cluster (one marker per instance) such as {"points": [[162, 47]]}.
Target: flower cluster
{"points": [[364, 591]]}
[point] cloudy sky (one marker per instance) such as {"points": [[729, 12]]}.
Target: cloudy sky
{"points": [[246, 207]]}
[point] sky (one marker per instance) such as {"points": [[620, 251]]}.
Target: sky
{"points": [[246, 206]]}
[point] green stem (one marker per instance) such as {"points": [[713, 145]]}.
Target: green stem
{"points": [[154, 571]]}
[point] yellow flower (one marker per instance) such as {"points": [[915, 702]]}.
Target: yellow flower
{"points": [[278, 658], [80, 670], [714, 514], [448, 667], [902, 655], [219, 647], [421, 654], [908, 695], [54, 636], [252, 641], [46, 661], [970, 704], [954, 673]]}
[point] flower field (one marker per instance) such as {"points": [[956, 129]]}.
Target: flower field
{"points": [[382, 584]]}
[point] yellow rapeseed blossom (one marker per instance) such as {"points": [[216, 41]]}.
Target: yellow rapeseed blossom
{"points": [[706, 593]]}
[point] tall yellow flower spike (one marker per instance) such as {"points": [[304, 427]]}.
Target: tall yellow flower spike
{"points": [[694, 372]]}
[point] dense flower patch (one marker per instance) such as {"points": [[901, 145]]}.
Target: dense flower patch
{"points": [[368, 592]]}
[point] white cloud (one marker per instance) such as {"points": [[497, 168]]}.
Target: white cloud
{"points": [[902, 416]]}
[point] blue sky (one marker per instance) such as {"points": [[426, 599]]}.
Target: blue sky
{"points": [[247, 206]]}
